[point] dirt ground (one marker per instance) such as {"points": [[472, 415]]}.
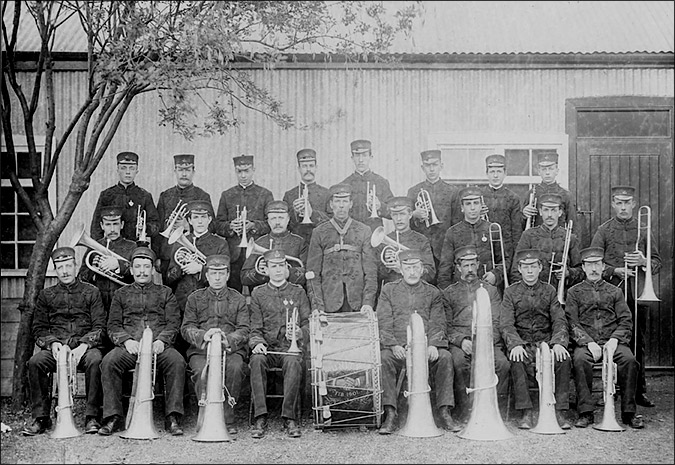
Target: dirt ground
{"points": [[654, 444]]}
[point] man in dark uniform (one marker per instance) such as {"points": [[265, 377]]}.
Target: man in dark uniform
{"points": [[273, 306], [618, 238], [130, 197], [472, 230], [400, 210], [363, 183], [442, 197], [547, 167], [218, 308], [399, 299], [317, 196], [279, 237], [531, 314], [133, 307], [70, 313], [459, 298], [502, 205], [341, 263], [549, 239], [599, 317], [183, 192], [245, 195]]}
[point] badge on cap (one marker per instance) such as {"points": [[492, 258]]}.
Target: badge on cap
{"points": [[111, 213], [127, 158], [409, 256], [184, 160], [243, 160], [306, 155], [547, 157], [592, 254], [62, 254], [527, 256], [550, 200], [396, 204], [217, 262], [274, 255], [199, 207], [276, 206], [430, 155], [360, 146], [466, 252], [143, 252], [470, 193], [623, 192]]}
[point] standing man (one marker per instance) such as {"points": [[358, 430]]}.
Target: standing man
{"points": [[183, 192], [317, 195], [133, 307], [131, 198], [341, 260], [443, 197], [531, 314], [363, 183], [599, 317], [399, 299], [459, 298], [618, 238], [279, 317], [70, 313], [217, 308], [279, 237], [229, 220]]}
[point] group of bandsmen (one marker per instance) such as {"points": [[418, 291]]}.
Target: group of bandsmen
{"points": [[255, 268]]}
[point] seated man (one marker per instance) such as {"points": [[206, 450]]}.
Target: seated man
{"points": [[273, 306], [397, 301], [133, 307], [68, 313], [597, 314], [531, 314], [217, 308]]}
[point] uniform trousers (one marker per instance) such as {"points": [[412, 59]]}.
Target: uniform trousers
{"points": [[43, 363], [234, 374], [524, 373], [462, 364], [291, 370]]}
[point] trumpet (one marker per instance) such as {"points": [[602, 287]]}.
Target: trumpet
{"points": [[241, 217], [141, 235], [177, 215], [370, 200], [292, 325], [496, 236], [561, 265], [484, 216], [424, 202], [188, 252], [260, 263], [304, 194], [389, 255], [94, 256], [532, 203]]}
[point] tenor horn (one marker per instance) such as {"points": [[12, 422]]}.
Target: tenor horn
{"points": [[139, 422], [496, 236], [93, 256], [65, 376], [253, 248], [547, 423], [211, 425], [485, 422], [608, 422], [424, 202], [562, 264], [391, 249], [420, 420], [187, 252]]}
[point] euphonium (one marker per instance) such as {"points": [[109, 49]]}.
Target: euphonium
{"points": [[188, 252], [306, 219], [424, 202], [370, 200], [496, 236], [66, 377], [420, 420], [547, 423], [609, 422], [93, 256], [485, 422], [390, 252], [177, 214], [211, 425], [139, 422], [562, 264], [260, 263], [141, 235]]}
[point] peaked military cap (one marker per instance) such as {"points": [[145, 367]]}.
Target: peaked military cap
{"points": [[275, 255], [111, 213], [547, 157], [127, 158], [184, 159], [62, 254], [466, 252], [623, 192], [409, 256], [143, 252], [340, 190], [528, 256], [199, 206], [243, 160], [399, 203], [306, 155], [495, 161], [430, 155], [470, 193], [551, 200], [360, 146], [217, 262], [276, 206], [592, 254]]}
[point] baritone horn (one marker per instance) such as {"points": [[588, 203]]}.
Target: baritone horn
{"points": [[496, 236], [97, 252], [66, 377], [609, 422], [177, 214], [389, 254], [424, 202], [370, 200], [561, 265], [188, 252], [547, 422]]}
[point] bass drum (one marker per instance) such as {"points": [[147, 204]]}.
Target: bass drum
{"points": [[345, 369]]}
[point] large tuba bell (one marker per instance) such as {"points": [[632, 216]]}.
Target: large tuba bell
{"points": [[608, 422], [139, 421], [392, 248], [485, 422], [260, 264], [188, 252], [424, 202], [66, 377], [547, 422], [420, 421], [211, 425], [92, 257]]}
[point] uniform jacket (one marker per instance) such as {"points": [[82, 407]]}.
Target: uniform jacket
{"points": [[225, 309], [597, 312], [532, 314], [70, 314], [122, 247], [504, 208], [398, 301], [336, 260], [569, 207], [319, 197], [465, 233], [291, 244], [134, 306], [412, 240], [255, 198], [442, 199], [129, 198], [459, 298], [184, 284], [359, 183], [268, 315]]}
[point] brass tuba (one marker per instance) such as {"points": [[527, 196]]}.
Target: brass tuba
{"points": [[391, 249], [139, 422], [92, 257], [420, 420], [608, 422], [188, 252], [547, 422], [424, 202], [562, 264], [211, 425], [260, 263], [485, 422], [66, 376]]}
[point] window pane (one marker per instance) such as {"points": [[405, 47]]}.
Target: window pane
{"points": [[7, 228], [6, 164], [23, 162], [517, 162], [22, 206], [623, 123], [27, 229], [8, 256], [7, 199], [25, 250]]}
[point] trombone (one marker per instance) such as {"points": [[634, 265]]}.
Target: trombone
{"points": [[561, 265], [496, 236], [370, 200], [424, 202]]}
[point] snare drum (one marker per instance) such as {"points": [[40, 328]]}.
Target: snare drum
{"points": [[345, 369]]}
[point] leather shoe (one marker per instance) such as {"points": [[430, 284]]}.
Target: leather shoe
{"points": [[231, 429], [292, 428], [644, 401], [447, 422], [390, 416], [526, 419], [632, 420], [113, 425], [584, 420], [92, 426], [258, 430], [39, 426], [172, 425], [563, 422]]}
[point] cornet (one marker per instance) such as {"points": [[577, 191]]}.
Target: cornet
{"points": [[484, 216], [241, 217], [371, 197], [141, 235], [561, 265], [532, 203], [424, 202], [304, 194], [93, 257], [291, 328], [177, 215]]}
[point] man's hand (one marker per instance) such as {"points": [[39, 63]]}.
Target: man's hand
{"points": [[490, 278], [467, 346], [560, 353], [209, 333], [635, 258], [133, 347], [421, 214], [108, 263], [78, 352], [260, 348], [157, 347], [236, 225], [596, 351], [433, 353], [622, 272], [398, 351], [518, 354], [529, 211], [611, 344], [366, 308], [484, 210], [298, 334], [55, 347], [191, 268]]}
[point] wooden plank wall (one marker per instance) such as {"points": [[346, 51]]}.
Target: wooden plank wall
{"points": [[9, 318]]}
